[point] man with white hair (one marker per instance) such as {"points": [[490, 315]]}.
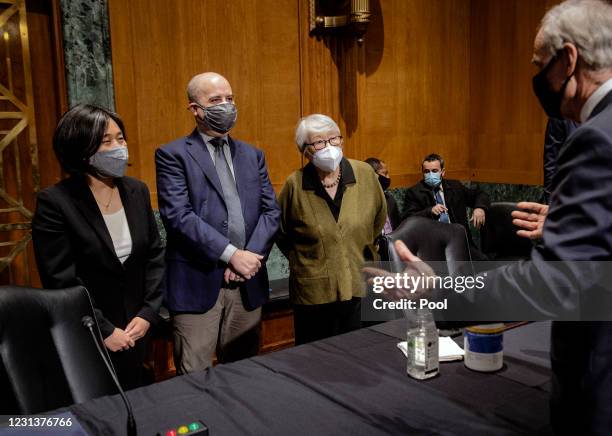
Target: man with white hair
{"points": [[221, 215], [573, 53]]}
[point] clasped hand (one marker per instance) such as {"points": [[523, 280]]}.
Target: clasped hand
{"points": [[243, 265], [121, 340]]}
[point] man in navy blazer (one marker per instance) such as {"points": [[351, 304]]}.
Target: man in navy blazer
{"points": [[221, 215]]}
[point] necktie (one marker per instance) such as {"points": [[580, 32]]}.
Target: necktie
{"points": [[235, 225], [443, 216]]}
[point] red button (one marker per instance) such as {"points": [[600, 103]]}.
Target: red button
{"points": [[171, 433]]}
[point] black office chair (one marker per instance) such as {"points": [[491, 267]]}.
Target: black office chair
{"points": [[47, 358], [498, 237], [441, 243], [443, 246]]}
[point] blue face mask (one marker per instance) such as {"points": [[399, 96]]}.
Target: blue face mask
{"points": [[433, 179]]}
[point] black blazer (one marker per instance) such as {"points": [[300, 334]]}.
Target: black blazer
{"points": [[420, 199], [557, 131], [73, 246], [393, 211]]}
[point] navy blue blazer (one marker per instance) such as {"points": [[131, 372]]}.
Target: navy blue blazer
{"points": [[193, 210]]}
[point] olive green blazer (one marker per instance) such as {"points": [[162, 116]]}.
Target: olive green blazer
{"points": [[325, 256]]}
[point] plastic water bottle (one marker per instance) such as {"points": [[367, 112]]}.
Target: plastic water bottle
{"points": [[423, 352]]}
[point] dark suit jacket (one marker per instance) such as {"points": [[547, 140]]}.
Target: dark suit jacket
{"points": [[393, 211], [578, 228], [557, 131], [73, 247], [193, 210], [420, 199]]}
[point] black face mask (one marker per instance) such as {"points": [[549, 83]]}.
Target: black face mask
{"points": [[549, 99], [385, 182]]}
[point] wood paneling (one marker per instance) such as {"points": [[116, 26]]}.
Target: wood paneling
{"points": [[404, 93], [506, 121], [445, 76], [159, 45]]}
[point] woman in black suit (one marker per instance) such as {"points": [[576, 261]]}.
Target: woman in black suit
{"points": [[96, 229]]}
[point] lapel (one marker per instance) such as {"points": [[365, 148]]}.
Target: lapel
{"points": [[447, 190], [241, 169], [87, 206], [427, 193], [350, 202], [133, 211], [199, 152], [321, 212], [603, 104]]}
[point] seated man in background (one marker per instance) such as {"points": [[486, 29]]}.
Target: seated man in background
{"points": [[393, 215], [446, 200]]}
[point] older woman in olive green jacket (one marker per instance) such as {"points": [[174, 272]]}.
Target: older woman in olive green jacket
{"points": [[332, 211]]}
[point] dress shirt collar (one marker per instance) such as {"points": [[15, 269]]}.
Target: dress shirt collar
{"points": [[594, 100], [207, 138]]}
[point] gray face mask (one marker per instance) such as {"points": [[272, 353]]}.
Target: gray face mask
{"points": [[110, 163], [221, 117]]}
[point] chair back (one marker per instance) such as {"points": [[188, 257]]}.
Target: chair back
{"points": [[498, 236], [432, 241], [47, 357]]}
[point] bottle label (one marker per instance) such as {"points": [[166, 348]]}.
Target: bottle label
{"points": [[419, 351], [426, 354], [431, 358]]}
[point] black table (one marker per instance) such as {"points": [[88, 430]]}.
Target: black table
{"points": [[351, 384]]}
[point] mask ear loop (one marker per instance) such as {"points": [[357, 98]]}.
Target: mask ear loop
{"points": [[302, 156]]}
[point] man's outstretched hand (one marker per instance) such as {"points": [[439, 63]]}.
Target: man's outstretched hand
{"points": [[414, 266], [530, 219]]}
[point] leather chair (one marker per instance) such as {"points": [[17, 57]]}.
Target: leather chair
{"points": [[445, 245], [498, 237], [47, 357]]}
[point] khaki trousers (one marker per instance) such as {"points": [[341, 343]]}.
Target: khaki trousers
{"points": [[227, 328]]}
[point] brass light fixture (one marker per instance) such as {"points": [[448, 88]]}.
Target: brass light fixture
{"points": [[347, 17]]}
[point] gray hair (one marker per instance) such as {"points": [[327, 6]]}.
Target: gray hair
{"points": [[313, 124], [585, 23]]}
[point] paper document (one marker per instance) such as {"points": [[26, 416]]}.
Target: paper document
{"points": [[448, 349]]}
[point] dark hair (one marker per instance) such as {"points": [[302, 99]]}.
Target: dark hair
{"points": [[78, 136], [432, 158], [374, 163]]}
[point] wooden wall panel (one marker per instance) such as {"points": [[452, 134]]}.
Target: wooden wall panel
{"points": [[404, 93], [446, 76], [506, 120], [158, 46], [417, 97]]}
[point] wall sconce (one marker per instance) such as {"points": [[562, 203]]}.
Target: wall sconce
{"points": [[348, 17]]}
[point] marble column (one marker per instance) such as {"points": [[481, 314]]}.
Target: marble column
{"points": [[87, 52]]}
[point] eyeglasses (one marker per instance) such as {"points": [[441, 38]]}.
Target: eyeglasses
{"points": [[336, 141]]}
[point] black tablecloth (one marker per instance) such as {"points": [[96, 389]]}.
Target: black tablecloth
{"points": [[351, 384]]}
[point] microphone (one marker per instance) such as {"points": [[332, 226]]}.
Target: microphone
{"points": [[89, 323]]}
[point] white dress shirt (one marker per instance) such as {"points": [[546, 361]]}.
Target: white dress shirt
{"points": [[594, 100]]}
